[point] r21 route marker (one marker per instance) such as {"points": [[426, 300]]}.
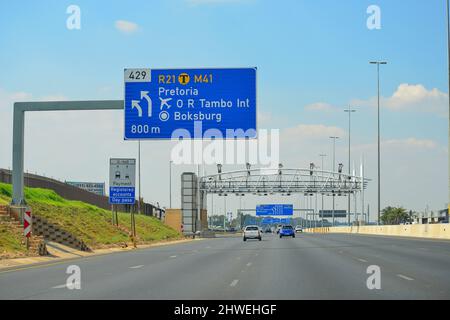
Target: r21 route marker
{"points": [[192, 103]]}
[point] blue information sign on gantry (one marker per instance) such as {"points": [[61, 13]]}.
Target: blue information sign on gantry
{"points": [[275, 210], [190, 103]]}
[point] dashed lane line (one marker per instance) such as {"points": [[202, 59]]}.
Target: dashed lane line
{"points": [[137, 267], [234, 283], [405, 277]]}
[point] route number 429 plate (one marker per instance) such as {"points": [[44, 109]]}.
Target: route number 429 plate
{"points": [[137, 75]]}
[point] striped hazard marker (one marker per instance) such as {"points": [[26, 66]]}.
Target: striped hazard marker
{"points": [[27, 224]]}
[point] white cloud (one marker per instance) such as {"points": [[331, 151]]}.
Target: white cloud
{"points": [[126, 26], [320, 106], [410, 97]]}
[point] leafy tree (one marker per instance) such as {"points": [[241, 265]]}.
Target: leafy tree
{"points": [[394, 216]]}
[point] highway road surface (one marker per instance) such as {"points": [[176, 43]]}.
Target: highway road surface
{"points": [[307, 267]]}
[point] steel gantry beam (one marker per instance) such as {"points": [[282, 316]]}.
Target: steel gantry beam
{"points": [[284, 181], [19, 131]]}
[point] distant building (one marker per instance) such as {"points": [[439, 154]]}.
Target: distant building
{"points": [[94, 187]]}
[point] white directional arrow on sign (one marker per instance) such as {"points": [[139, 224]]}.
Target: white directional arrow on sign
{"points": [[135, 105], [144, 94]]}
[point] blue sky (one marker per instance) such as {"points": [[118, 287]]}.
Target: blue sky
{"points": [[306, 52]]}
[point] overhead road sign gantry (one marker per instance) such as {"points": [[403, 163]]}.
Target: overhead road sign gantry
{"points": [[19, 132], [193, 103]]}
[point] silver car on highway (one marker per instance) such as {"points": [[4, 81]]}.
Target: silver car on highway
{"points": [[252, 232]]}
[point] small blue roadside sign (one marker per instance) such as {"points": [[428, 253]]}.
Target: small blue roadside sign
{"points": [[190, 103], [122, 173], [275, 210], [121, 195]]}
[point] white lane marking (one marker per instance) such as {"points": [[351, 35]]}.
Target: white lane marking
{"points": [[256, 254], [405, 277], [238, 258], [234, 283], [208, 247], [137, 267], [249, 264], [173, 256], [361, 260], [62, 286], [341, 252]]}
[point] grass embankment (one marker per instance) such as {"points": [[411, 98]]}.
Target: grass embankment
{"points": [[11, 243], [89, 223]]}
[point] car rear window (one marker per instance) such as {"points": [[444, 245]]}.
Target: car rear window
{"points": [[287, 227], [252, 228]]}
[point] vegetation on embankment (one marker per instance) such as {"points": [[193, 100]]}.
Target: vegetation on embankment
{"points": [[11, 242], [89, 223]]}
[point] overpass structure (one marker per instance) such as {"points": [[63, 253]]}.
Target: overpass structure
{"points": [[263, 182], [283, 181]]}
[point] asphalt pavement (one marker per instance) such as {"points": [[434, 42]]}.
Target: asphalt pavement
{"points": [[321, 266]]}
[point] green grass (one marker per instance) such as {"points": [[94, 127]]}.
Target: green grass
{"points": [[89, 223], [10, 243]]}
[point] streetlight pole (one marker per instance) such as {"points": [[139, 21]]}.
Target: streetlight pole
{"points": [[334, 170], [448, 53], [349, 111], [378, 63], [170, 184], [323, 169], [139, 174]]}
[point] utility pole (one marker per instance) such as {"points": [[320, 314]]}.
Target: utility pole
{"points": [[225, 213], [379, 174], [349, 111]]}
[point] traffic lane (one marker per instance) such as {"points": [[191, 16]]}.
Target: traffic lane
{"points": [[431, 258], [203, 276], [143, 274], [405, 274], [291, 269], [26, 282]]}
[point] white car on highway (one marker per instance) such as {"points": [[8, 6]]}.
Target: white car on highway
{"points": [[252, 232]]}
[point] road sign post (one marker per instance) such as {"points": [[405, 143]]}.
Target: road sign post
{"points": [[122, 186], [190, 103]]}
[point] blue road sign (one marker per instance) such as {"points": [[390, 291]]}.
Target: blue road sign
{"points": [[267, 221], [275, 210], [121, 195], [190, 103]]}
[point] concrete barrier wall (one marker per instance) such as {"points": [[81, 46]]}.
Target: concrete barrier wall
{"points": [[433, 231]]}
